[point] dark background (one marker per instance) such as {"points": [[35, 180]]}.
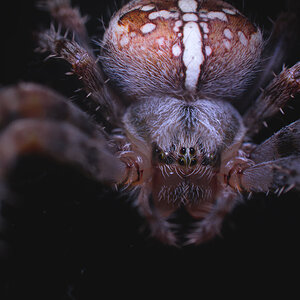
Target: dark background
{"points": [[70, 238]]}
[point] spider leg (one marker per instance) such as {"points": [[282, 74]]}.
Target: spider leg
{"points": [[84, 65], [157, 219], [68, 17], [271, 176], [276, 95], [283, 38], [273, 165], [30, 100], [62, 142], [211, 225], [162, 230], [34, 119], [284, 143]]}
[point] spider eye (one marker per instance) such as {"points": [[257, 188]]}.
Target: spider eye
{"points": [[212, 156], [192, 151], [161, 156], [193, 162], [210, 159], [169, 160], [181, 161], [157, 150], [182, 150]]}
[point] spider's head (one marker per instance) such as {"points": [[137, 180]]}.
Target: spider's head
{"points": [[184, 173], [180, 47], [184, 145], [185, 160]]}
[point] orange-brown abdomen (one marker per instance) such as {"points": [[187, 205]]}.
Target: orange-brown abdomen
{"points": [[184, 47]]}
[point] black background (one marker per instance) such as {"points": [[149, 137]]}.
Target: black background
{"points": [[70, 238]]}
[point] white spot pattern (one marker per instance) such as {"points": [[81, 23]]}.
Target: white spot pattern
{"points": [[190, 17], [192, 55], [148, 7], [193, 49], [147, 28], [163, 14], [242, 38], [178, 24], [229, 11], [228, 34], [176, 50], [208, 50], [188, 5], [204, 27], [217, 15], [227, 44], [203, 16]]}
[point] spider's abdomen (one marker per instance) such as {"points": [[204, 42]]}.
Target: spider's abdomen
{"points": [[182, 47]]}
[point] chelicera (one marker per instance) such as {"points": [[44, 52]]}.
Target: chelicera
{"points": [[164, 85]]}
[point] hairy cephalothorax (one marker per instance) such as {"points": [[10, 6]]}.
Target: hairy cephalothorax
{"points": [[180, 143]]}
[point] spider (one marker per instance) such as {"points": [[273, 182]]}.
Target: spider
{"points": [[165, 84]]}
